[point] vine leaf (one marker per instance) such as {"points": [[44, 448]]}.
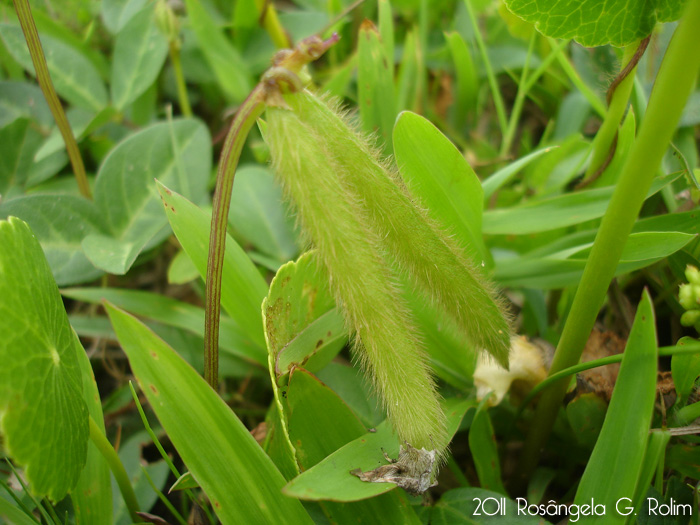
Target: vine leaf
{"points": [[594, 23], [43, 416]]}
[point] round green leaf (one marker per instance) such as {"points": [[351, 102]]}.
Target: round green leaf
{"points": [[595, 23], [43, 416]]}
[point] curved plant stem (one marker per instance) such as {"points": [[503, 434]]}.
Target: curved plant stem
{"points": [[286, 66], [245, 118], [673, 85], [619, 94], [31, 35], [183, 99], [117, 468], [567, 372]]}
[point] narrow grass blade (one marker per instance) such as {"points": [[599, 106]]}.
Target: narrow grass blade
{"points": [[616, 463], [484, 449], [239, 479]]}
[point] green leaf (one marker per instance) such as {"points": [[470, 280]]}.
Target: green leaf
{"points": [[557, 212], [300, 318], [23, 100], [467, 88], [181, 269], [178, 154], [117, 13], [685, 369], [14, 514], [60, 223], [140, 50], [243, 288], [319, 424], [74, 76], [174, 313], [375, 85], [472, 506], [349, 383], [239, 479], [442, 180], [259, 215], [484, 449], [331, 479], [43, 416], [504, 175], [617, 22], [556, 270], [20, 142], [224, 59], [615, 464], [92, 496]]}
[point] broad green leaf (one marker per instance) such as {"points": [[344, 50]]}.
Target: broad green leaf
{"points": [[259, 215], [375, 85], [117, 13], [92, 496], [239, 479], [319, 424], [20, 142], [590, 23], [139, 53], [243, 288], [685, 369], [60, 223], [177, 154], [300, 319], [484, 449], [181, 269], [331, 479], [441, 179], [82, 122], [43, 416], [615, 465], [504, 175], [557, 212], [231, 71], [353, 388], [472, 506], [23, 100], [174, 313], [74, 76], [557, 271]]}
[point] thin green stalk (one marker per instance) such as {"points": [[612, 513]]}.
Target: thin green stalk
{"points": [[603, 142], [24, 13], [245, 118], [495, 91], [567, 372], [284, 71], [519, 100], [271, 22], [117, 468], [182, 97], [577, 81], [674, 83], [162, 497], [526, 83]]}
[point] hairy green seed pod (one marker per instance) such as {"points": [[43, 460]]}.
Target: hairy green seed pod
{"points": [[434, 261], [332, 214]]}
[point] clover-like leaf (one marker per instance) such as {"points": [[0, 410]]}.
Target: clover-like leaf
{"points": [[43, 416]]}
